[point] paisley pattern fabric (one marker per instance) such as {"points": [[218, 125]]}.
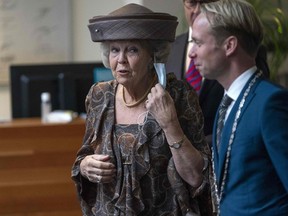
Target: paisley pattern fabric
{"points": [[147, 182]]}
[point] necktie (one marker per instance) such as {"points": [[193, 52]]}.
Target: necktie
{"points": [[193, 77], [225, 102]]}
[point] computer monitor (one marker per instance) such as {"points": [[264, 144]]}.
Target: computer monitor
{"points": [[67, 83]]}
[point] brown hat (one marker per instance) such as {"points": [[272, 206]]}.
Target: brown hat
{"points": [[207, 1], [133, 21], [203, 1]]}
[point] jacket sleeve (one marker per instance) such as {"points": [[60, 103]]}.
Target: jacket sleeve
{"points": [[275, 133], [196, 200]]}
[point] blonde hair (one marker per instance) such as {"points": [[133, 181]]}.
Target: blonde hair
{"points": [[237, 18]]}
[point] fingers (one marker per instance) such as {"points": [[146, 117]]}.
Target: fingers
{"points": [[157, 99], [94, 179], [161, 106], [157, 91], [97, 168], [99, 179], [153, 95], [101, 161]]}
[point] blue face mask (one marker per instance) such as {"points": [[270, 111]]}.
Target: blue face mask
{"points": [[161, 73]]}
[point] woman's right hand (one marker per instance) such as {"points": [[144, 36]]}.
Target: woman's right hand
{"points": [[97, 168]]}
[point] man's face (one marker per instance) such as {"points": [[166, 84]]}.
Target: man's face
{"points": [[191, 9], [209, 56]]}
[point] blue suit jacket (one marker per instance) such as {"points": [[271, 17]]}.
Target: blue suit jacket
{"points": [[257, 180]]}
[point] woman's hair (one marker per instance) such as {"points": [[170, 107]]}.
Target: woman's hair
{"points": [[159, 50], [237, 18]]}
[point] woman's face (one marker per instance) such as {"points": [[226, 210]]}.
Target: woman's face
{"points": [[129, 62]]}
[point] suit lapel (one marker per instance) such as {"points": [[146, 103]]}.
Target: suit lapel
{"points": [[215, 150], [227, 130]]}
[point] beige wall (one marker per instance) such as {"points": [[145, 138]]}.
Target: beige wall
{"points": [[4, 103]]}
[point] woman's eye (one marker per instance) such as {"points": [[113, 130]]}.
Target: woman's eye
{"points": [[114, 50], [133, 50]]}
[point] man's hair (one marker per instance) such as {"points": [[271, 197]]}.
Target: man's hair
{"points": [[237, 18]]}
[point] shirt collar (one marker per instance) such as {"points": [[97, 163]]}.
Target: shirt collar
{"points": [[190, 34], [239, 83]]}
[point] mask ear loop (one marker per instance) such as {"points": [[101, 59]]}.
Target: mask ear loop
{"points": [[141, 124], [145, 114], [155, 64]]}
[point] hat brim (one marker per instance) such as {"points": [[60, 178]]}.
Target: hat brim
{"points": [[153, 28], [133, 22]]}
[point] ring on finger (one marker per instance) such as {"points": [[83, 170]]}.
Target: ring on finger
{"points": [[98, 178]]}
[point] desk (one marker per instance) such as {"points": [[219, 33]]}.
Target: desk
{"points": [[35, 167]]}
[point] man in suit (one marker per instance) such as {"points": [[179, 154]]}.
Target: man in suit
{"points": [[250, 153], [178, 62]]}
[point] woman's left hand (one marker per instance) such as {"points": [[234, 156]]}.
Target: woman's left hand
{"points": [[161, 106]]}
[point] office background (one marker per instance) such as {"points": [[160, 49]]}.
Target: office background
{"points": [[36, 158], [69, 41]]}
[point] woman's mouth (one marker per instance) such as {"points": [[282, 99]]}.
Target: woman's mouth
{"points": [[123, 71]]}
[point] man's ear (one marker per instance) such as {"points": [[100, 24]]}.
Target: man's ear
{"points": [[230, 45]]}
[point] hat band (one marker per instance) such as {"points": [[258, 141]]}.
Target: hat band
{"points": [[127, 29]]}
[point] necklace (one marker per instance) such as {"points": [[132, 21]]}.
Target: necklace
{"points": [[231, 139], [141, 99]]}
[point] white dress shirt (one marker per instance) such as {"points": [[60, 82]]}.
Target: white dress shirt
{"points": [[237, 86], [189, 45]]}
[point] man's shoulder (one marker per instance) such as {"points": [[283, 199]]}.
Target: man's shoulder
{"points": [[268, 87], [266, 91]]}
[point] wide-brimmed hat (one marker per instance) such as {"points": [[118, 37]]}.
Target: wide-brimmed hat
{"points": [[133, 21], [203, 1]]}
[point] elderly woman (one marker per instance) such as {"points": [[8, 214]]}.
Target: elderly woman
{"points": [[144, 151]]}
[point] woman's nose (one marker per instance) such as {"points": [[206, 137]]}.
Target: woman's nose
{"points": [[122, 58]]}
